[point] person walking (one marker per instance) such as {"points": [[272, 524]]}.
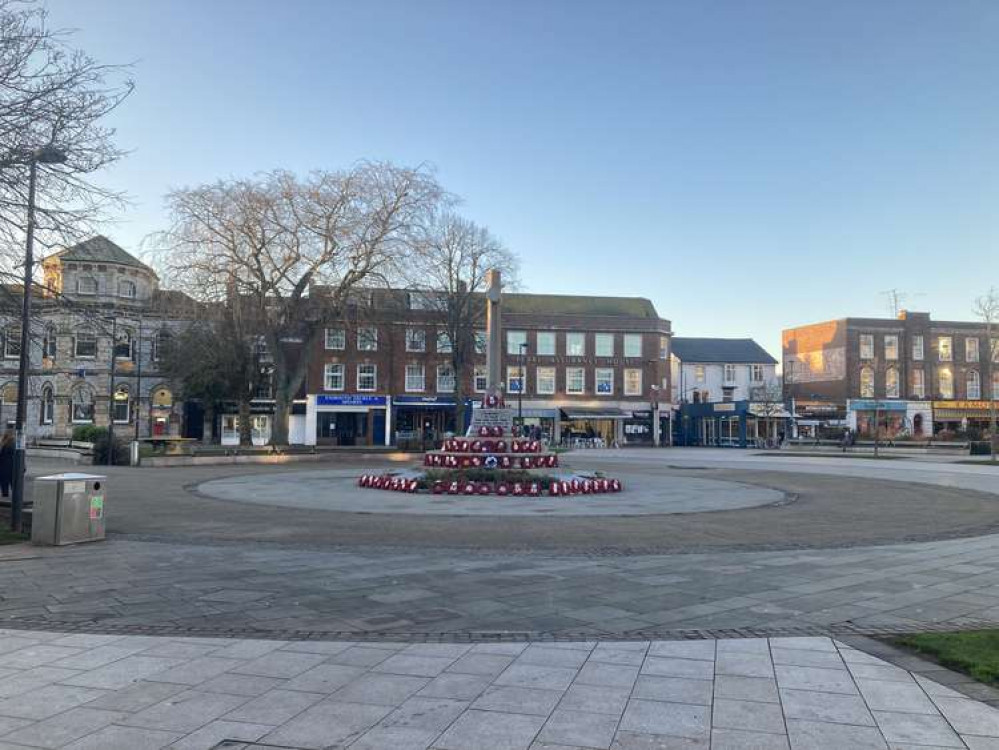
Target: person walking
{"points": [[6, 462]]}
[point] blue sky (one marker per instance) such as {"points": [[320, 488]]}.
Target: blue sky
{"points": [[747, 165]]}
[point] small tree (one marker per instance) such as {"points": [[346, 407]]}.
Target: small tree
{"points": [[768, 401], [986, 308]]}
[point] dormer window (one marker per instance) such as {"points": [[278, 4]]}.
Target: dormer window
{"points": [[86, 285], [126, 289]]}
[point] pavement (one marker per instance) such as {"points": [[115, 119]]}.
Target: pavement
{"points": [[102, 692]]}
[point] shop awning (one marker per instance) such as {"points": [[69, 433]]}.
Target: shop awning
{"points": [[594, 413]]}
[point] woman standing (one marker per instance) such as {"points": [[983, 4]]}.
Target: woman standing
{"points": [[6, 462]]}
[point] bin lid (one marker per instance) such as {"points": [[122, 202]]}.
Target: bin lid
{"points": [[70, 476]]}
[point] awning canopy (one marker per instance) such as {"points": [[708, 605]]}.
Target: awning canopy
{"points": [[595, 413]]}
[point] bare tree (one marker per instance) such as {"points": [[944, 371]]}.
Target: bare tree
{"points": [[767, 402], [294, 249], [986, 308], [52, 95], [448, 268]]}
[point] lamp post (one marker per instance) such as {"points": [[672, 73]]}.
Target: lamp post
{"points": [[520, 390], [44, 155], [111, 393], [654, 407]]}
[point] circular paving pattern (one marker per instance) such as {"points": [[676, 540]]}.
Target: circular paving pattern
{"points": [[337, 490]]}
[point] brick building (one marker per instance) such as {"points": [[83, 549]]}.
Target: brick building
{"points": [[923, 377], [572, 365]]}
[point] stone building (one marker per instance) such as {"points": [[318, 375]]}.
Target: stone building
{"points": [[90, 292]]}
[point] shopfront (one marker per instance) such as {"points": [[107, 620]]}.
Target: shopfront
{"points": [[732, 424], [638, 428], [423, 421], [593, 424], [889, 416], [964, 419], [545, 420], [347, 420], [261, 419]]}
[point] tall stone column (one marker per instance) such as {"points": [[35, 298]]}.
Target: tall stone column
{"points": [[494, 332]]}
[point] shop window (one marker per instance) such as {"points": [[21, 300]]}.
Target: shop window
{"points": [[12, 343], [367, 377], [546, 381], [481, 377], [416, 340], [917, 348], [945, 382], [85, 344], [945, 349], [918, 384], [49, 342], [756, 373], [333, 376], [546, 343], [336, 339], [603, 344], [86, 285], [974, 384], [444, 345], [891, 347], [604, 381], [126, 289], [120, 405], [367, 339], [633, 345], [633, 382], [867, 382], [575, 344], [729, 373], [415, 378], [515, 380], [575, 380], [480, 342], [971, 349], [47, 415], [866, 346], [82, 405], [514, 340], [891, 383], [445, 379]]}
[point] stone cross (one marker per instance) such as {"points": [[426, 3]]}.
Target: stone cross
{"points": [[494, 332]]}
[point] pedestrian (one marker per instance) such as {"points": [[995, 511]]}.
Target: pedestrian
{"points": [[6, 462]]}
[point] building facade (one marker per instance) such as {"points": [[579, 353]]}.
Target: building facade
{"points": [[99, 321], [913, 376], [573, 367]]}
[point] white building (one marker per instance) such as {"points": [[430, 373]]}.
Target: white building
{"points": [[718, 370]]}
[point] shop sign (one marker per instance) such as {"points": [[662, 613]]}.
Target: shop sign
{"points": [[349, 400], [865, 404], [417, 400], [965, 405], [724, 407], [642, 414]]}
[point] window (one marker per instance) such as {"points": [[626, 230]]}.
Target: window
{"points": [[367, 339], [995, 384], [48, 405], [126, 289], [891, 383], [416, 340], [575, 344], [729, 373], [444, 342], [334, 375], [917, 348], [480, 342], [756, 373], [12, 343], [575, 380], [423, 301], [49, 343], [367, 377], [699, 373], [546, 380], [123, 345], [971, 349], [995, 350], [866, 346], [663, 347], [480, 376], [445, 379], [918, 384], [891, 347], [85, 345], [603, 344], [161, 344], [336, 339], [86, 285], [515, 380], [945, 349], [633, 345], [867, 382], [604, 379], [120, 407], [546, 343], [974, 384], [945, 382], [415, 378], [82, 405], [514, 339], [633, 382]]}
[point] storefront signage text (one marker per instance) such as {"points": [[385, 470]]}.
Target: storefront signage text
{"points": [[350, 400]]}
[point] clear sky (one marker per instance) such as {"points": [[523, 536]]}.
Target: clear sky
{"points": [[746, 164]]}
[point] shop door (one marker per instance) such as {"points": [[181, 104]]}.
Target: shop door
{"points": [[378, 429], [329, 426]]}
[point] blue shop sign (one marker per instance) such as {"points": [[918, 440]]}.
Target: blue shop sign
{"points": [[422, 400], [350, 400], [875, 404]]}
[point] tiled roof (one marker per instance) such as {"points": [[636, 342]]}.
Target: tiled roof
{"points": [[566, 304], [721, 350], [100, 249]]}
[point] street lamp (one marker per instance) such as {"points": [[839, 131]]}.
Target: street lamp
{"points": [[654, 407], [520, 390], [45, 155]]}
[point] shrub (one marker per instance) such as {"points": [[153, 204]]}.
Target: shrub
{"points": [[102, 447], [88, 433]]}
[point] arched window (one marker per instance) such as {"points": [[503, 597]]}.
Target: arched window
{"points": [[12, 342], [891, 383], [974, 384], [120, 409], [86, 285], [47, 412], [867, 382], [8, 403], [82, 405], [123, 344], [945, 382], [49, 342], [126, 289]]}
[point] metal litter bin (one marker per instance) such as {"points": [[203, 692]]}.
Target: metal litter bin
{"points": [[68, 509]]}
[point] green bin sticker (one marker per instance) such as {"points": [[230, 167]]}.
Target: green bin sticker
{"points": [[96, 507]]}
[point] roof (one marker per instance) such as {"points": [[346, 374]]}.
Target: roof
{"points": [[565, 304], [721, 350], [99, 249]]}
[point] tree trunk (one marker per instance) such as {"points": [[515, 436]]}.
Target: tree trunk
{"points": [[210, 419], [282, 412], [245, 428]]}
